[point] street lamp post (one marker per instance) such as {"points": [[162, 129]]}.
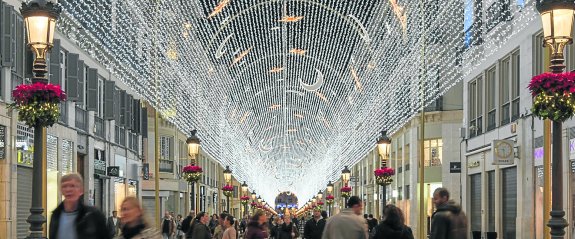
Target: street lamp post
{"points": [[244, 193], [557, 18], [329, 192], [383, 148], [345, 175], [228, 178], [193, 150], [40, 17]]}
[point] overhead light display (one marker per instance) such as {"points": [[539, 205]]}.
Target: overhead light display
{"points": [[352, 68]]}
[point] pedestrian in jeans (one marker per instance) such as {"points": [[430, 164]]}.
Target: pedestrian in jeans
{"points": [[73, 219], [168, 226]]}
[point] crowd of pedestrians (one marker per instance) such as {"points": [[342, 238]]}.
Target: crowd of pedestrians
{"points": [[72, 219]]}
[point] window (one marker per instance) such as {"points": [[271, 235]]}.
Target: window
{"points": [[433, 151], [166, 148], [491, 98], [541, 58], [472, 22], [515, 76], [504, 73], [399, 193], [509, 202], [476, 106]]}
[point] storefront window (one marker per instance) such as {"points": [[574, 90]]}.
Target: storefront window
{"points": [[120, 192], [509, 202], [433, 152], [475, 202], [51, 175], [491, 201]]}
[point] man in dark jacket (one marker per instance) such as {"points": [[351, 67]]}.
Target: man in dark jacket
{"points": [[371, 222], [314, 227], [448, 221], [74, 220], [113, 224], [187, 222]]}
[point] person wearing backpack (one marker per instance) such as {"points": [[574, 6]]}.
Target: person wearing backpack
{"points": [[392, 225]]}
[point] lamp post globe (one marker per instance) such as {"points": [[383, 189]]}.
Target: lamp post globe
{"points": [[193, 146], [329, 187], [254, 195], [319, 195], [228, 175], [383, 148], [345, 175]]}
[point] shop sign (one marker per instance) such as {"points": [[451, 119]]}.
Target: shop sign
{"points": [[2, 142], [455, 167], [474, 164], [572, 149], [100, 167], [538, 156], [114, 171]]}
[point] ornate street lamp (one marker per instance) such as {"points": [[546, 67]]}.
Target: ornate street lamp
{"points": [[244, 193], [259, 199], [244, 187], [193, 146], [193, 150], [383, 148], [319, 195], [40, 17], [557, 18], [329, 187], [345, 175], [228, 174], [254, 195]]}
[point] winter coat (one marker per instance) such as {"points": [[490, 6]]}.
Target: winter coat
{"points": [[90, 222], [346, 225], [186, 223], [448, 222], [385, 231], [255, 231], [201, 231], [313, 229], [146, 233], [284, 231]]}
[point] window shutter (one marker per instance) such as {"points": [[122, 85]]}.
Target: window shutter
{"points": [[109, 88], [28, 63], [117, 105], [20, 44], [92, 96], [7, 34], [72, 79], [122, 101], [144, 126], [55, 70], [136, 116], [81, 82], [130, 112]]}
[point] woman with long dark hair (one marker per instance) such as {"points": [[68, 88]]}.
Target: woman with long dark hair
{"points": [[393, 225], [257, 228]]}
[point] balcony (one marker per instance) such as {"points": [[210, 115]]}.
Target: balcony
{"points": [[81, 119], [166, 166], [99, 129]]}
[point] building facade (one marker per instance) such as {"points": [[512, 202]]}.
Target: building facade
{"points": [[503, 193]]}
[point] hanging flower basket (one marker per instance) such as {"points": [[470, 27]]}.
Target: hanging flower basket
{"points": [[254, 204], [228, 190], [244, 200], [37, 103], [329, 199], [383, 176], [553, 95], [192, 173], [345, 191]]}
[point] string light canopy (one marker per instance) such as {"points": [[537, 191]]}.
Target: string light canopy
{"points": [[292, 88]]}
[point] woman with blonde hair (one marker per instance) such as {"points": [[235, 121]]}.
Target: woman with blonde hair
{"points": [[134, 224]]}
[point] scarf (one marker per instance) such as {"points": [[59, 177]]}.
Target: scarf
{"points": [[129, 232]]}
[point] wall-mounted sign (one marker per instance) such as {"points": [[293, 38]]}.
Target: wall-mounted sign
{"points": [[146, 171], [2, 142], [455, 167], [538, 154], [100, 167], [114, 171], [572, 149], [473, 164], [503, 153]]}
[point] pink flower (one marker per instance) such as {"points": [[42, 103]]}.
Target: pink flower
{"points": [[381, 172], [330, 197], [192, 169], [345, 189], [228, 188]]}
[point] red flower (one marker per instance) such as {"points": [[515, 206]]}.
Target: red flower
{"points": [[244, 198], [228, 188], [192, 169], [345, 189], [330, 197], [381, 172], [38, 92]]}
